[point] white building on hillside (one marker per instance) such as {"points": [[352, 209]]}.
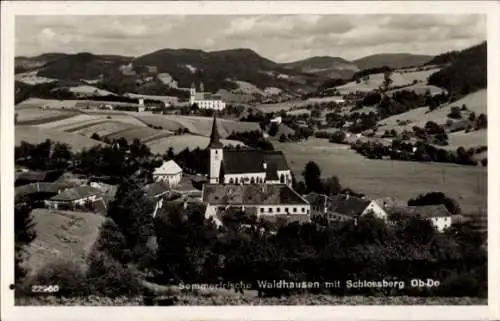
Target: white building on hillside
{"points": [[205, 100], [168, 172]]}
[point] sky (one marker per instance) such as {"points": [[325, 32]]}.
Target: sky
{"points": [[281, 38]]}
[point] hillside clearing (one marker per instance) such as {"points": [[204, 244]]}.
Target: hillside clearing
{"points": [[102, 128], [181, 142], [399, 78], [475, 102], [36, 116], [198, 125], [399, 179], [62, 235], [34, 135], [68, 123], [141, 133]]}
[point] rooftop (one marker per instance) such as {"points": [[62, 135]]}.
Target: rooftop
{"points": [[350, 206], [156, 189], [251, 194], [428, 211], [76, 193], [252, 161], [168, 168]]}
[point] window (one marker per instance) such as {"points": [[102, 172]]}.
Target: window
{"points": [[286, 209], [278, 210], [303, 210], [294, 209], [231, 181], [252, 180], [270, 210], [236, 180], [262, 210], [282, 178]]}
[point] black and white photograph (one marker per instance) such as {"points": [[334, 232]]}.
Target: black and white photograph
{"points": [[242, 159]]}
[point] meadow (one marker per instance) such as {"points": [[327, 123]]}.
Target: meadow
{"points": [[287, 105], [62, 235], [476, 102], [399, 179], [398, 79], [35, 135], [180, 142]]}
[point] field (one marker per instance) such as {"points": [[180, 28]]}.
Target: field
{"points": [[62, 235], [144, 134], [35, 116], [51, 103], [475, 102], [420, 89], [34, 135], [375, 81], [197, 125], [467, 140], [69, 123], [399, 179], [180, 142], [287, 105]]}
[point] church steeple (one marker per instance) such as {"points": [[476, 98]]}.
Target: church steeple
{"points": [[214, 136]]}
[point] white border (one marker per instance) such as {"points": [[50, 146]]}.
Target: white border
{"points": [[10, 9]]}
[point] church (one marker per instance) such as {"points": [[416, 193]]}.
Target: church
{"points": [[242, 166], [205, 100]]}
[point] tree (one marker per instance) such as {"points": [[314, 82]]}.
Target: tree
{"points": [[95, 136], [312, 177], [132, 213], [436, 198], [332, 186], [338, 137], [24, 234], [481, 122]]}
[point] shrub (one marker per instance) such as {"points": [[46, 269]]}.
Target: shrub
{"points": [[484, 162], [68, 276], [455, 113]]}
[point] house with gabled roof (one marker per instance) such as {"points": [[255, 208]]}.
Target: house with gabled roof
{"points": [[168, 172], [245, 166], [75, 196], [265, 200], [438, 215]]}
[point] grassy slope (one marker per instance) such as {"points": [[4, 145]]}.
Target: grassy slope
{"points": [[62, 235], [475, 102], [34, 135], [379, 178], [375, 81], [180, 142]]}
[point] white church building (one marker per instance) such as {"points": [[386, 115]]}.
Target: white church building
{"points": [[205, 100], [242, 166]]}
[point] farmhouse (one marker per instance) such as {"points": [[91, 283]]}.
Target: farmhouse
{"points": [[266, 201], [344, 207], [205, 100], [245, 166], [75, 196], [168, 172], [438, 215]]}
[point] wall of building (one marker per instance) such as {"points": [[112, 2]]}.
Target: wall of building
{"points": [[81, 202], [216, 155], [171, 179], [283, 209], [441, 223], [287, 176], [245, 178], [211, 104], [374, 208]]}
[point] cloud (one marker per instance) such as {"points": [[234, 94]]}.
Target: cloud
{"points": [[277, 37]]}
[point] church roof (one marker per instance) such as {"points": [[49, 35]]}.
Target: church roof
{"points": [[251, 194], [214, 136], [271, 172], [252, 161]]}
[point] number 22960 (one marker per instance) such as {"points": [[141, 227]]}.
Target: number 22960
{"points": [[45, 288]]}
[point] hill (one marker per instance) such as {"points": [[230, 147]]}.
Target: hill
{"points": [[392, 60], [466, 72], [329, 67], [219, 69]]}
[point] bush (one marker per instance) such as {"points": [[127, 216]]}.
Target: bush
{"points": [[455, 113], [108, 277], [68, 276], [484, 162], [338, 137]]}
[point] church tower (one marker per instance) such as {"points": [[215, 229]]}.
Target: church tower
{"points": [[216, 154]]}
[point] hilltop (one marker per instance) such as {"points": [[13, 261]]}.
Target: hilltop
{"points": [[392, 60], [329, 67]]}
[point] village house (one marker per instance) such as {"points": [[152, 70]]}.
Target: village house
{"points": [[205, 100], [266, 201], [438, 215], [168, 172], [344, 207], [243, 166], [72, 197]]}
